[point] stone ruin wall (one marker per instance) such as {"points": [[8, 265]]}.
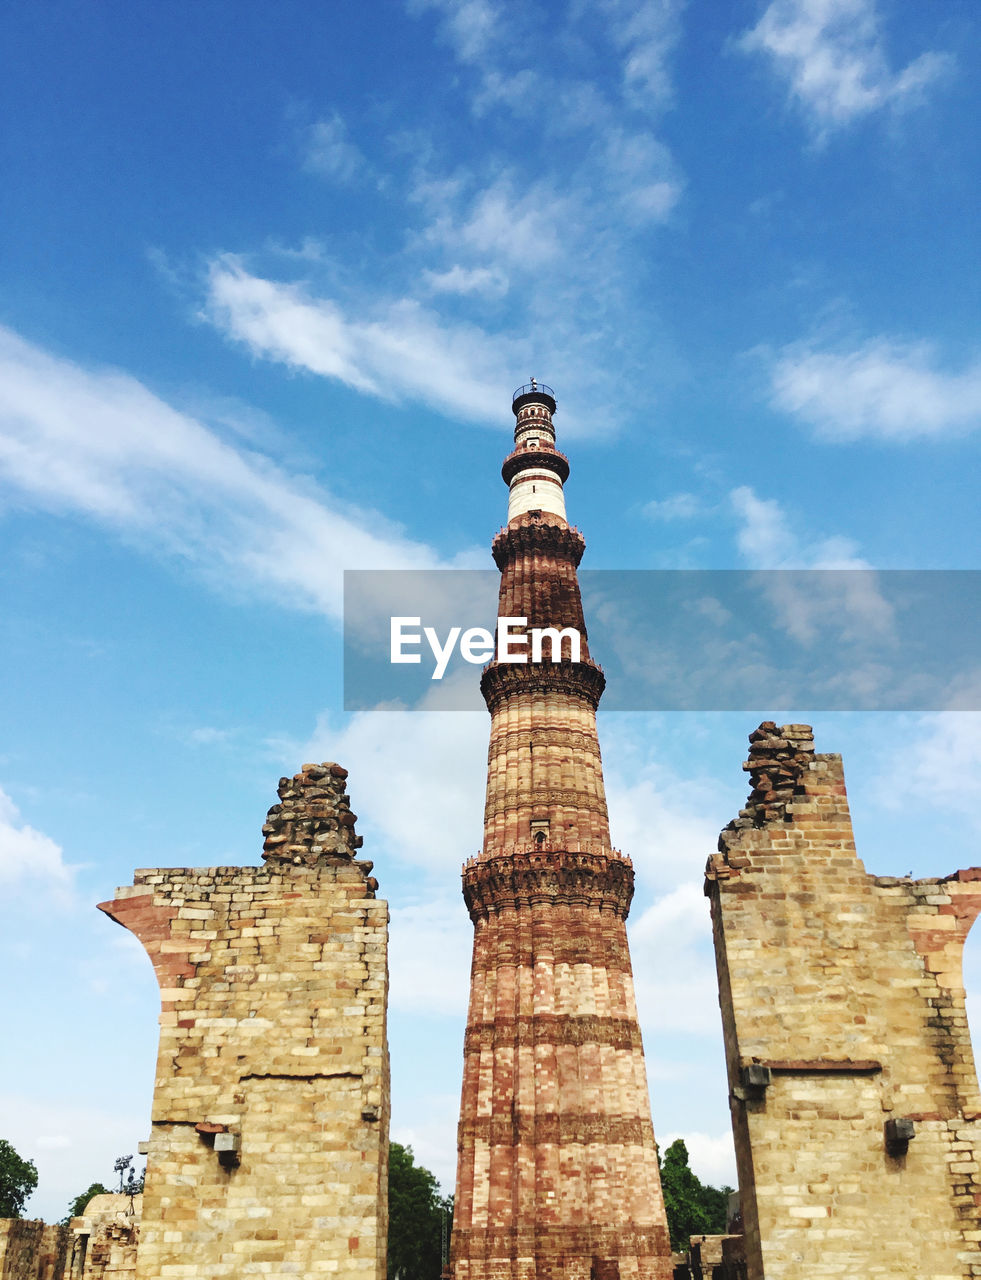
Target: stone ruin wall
{"points": [[269, 1145], [102, 1243], [31, 1250], [845, 1032]]}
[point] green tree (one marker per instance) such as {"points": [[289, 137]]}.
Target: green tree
{"points": [[18, 1178], [693, 1208], [130, 1183], [416, 1213], [77, 1206]]}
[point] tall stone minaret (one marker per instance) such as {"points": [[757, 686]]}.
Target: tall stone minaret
{"points": [[557, 1173]]}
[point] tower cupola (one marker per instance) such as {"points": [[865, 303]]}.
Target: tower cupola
{"points": [[535, 470]]}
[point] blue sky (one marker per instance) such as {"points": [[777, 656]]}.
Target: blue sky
{"points": [[268, 276]]}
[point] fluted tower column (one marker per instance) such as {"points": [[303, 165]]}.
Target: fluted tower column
{"points": [[557, 1173]]}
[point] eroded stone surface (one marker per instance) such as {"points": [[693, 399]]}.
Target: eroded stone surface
{"points": [[843, 1008], [269, 1143]]}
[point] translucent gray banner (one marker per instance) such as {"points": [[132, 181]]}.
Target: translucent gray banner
{"points": [[683, 640]]}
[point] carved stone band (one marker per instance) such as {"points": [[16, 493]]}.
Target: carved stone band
{"points": [[557, 878]]}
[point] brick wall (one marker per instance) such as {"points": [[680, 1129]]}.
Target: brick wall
{"points": [[843, 1010], [103, 1241], [269, 1144], [31, 1250]]}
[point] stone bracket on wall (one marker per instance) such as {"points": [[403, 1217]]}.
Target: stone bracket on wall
{"points": [[899, 1132], [757, 1076]]}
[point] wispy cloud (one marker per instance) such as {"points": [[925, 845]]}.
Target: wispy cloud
{"points": [[646, 34], [846, 601], [469, 27], [524, 263], [679, 506], [832, 57], [100, 444], [939, 763], [884, 389], [399, 350], [387, 753], [28, 856], [328, 150], [766, 538], [467, 280]]}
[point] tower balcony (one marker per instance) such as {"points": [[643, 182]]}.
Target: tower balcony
{"points": [[528, 456], [533, 393]]}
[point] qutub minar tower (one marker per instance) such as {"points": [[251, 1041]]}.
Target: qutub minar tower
{"points": [[557, 1173]]}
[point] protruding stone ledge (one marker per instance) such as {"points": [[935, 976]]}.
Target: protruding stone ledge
{"points": [[554, 1128], [509, 1033], [822, 1066], [523, 459], [583, 680], [529, 537], [557, 877]]}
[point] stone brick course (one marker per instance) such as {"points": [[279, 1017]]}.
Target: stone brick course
{"points": [[843, 1009], [557, 1171], [269, 1144], [31, 1250]]}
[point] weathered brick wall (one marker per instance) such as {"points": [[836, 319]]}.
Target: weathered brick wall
{"points": [[269, 1145], [104, 1240], [843, 1009], [31, 1250]]}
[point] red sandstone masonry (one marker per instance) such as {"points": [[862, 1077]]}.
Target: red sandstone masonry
{"points": [[557, 1173], [848, 987]]}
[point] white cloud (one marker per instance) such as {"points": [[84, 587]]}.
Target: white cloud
{"points": [[830, 53], [766, 539], [940, 765], [711, 1158], [464, 280], [402, 351], [470, 27], [429, 958], [101, 444], [425, 772], [763, 537], [674, 962], [328, 150], [646, 34], [521, 226], [846, 596], [680, 506], [884, 390], [28, 855]]}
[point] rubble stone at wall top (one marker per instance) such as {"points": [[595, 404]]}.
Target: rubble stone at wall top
{"points": [[313, 820]]}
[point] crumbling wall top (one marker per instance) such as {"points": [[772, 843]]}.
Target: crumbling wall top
{"points": [[313, 820]]}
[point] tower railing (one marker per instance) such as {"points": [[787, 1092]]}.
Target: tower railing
{"points": [[533, 388]]}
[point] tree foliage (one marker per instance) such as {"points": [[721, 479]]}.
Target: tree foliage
{"points": [[693, 1208], [77, 1206], [415, 1218], [18, 1178], [130, 1183]]}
